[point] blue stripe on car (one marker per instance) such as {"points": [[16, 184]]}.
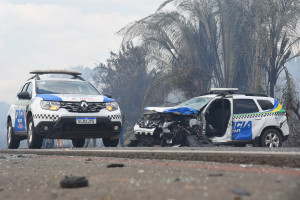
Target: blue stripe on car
{"points": [[49, 97], [107, 100], [183, 110]]}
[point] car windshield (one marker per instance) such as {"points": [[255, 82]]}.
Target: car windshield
{"points": [[196, 103], [65, 87]]}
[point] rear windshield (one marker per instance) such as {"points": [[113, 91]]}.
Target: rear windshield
{"points": [[65, 87]]}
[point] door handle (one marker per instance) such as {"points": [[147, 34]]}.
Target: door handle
{"points": [[257, 118]]}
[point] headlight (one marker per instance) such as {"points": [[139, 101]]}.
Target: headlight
{"points": [[112, 106], [50, 105]]}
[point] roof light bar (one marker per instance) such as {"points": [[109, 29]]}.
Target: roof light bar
{"points": [[224, 90], [69, 72]]}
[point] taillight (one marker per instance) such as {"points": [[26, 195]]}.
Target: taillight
{"points": [[287, 114]]}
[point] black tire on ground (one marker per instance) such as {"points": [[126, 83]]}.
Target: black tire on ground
{"points": [[110, 143], [271, 138], [34, 140], [78, 142], [12, 142]]}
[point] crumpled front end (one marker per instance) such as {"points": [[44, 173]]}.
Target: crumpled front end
{"points": [[167, 127]]}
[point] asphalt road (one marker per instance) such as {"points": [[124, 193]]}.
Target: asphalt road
{"points": [[36, 174]]}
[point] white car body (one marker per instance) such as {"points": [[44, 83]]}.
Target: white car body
{"points": [[79, 116], [239, 127]]}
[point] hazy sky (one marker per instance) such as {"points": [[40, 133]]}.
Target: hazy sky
{"points": [[55, 34]]}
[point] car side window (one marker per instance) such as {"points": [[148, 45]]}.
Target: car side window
{"points": [[265, 104], [241, 106], [29, 89]]}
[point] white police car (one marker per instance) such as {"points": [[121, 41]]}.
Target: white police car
{"points": [[223, 116], [62, 108]]}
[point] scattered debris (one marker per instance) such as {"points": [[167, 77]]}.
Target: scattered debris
{"points": [[240, 192], [141, 171], [177, 179], [278, 180], [246, 166], [1, 189], [215, 175], [114, 165], [74, 182]]}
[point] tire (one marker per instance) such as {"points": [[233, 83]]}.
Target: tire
{"points": [[271, 138], [34, 141], [12, 142], [78, 142], [110, 143]]}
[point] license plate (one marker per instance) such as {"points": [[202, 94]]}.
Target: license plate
{"points": [[86, 120]]}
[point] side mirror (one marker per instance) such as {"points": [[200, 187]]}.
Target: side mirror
{"points": [[108, 95], [24, 95]]}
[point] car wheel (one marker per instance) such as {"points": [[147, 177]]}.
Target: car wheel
{"points": [[271, 138], [110, 143], [78, 142], [34, 141], [12, 142]]}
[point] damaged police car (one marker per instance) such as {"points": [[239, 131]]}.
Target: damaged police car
{"points": [[62, 108], [219, 117]]}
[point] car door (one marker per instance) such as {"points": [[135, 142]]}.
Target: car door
{"points": [[246, 119], [218, 120], [21, 109]]}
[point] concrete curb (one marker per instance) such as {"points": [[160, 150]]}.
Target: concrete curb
{"points": [[280, 159]]}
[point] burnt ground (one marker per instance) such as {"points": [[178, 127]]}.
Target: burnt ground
{"points": [[29, 176]]}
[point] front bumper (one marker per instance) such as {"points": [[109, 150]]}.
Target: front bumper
{"points": [[66, 128], [140, 131]]}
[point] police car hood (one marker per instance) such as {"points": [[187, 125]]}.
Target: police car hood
{"points": [[74, 98], [175, 110]]}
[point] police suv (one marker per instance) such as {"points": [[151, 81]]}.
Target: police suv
{"points": [[62, 108], [223, 116]]}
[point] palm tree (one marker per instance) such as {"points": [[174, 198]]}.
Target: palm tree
{"points": [[187, 40], [279, 35], [222, 43]]}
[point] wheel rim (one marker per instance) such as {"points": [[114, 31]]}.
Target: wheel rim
{"points": [[9, 135], [272, 140], [29, 133]]}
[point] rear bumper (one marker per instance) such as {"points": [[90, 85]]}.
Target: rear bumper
{"points": [[66, 128]]}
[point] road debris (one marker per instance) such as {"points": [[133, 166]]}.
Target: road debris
{"points": [[74, 182], [215, 175], [240, 192], [114, 165], [246, 166]]}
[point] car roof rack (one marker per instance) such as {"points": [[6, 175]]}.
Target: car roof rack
{"points": [[253, 94], [228, 91], [75, 74]]}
